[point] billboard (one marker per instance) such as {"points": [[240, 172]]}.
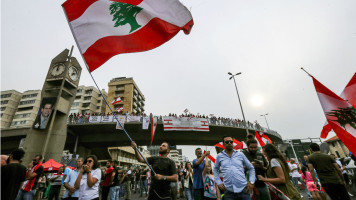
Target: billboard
{"points": [[44, 113]]}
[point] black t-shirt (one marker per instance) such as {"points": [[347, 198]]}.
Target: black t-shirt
{"points": [[137, 175], [12, 175], [259, 171], [144, 173], [116, 177], [39, 172], [165, 167]]}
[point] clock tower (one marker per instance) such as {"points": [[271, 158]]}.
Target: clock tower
{"points": [[48, 134]]}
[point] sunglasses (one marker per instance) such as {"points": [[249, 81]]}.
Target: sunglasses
{"points": [[89, 161], [228, 142]]}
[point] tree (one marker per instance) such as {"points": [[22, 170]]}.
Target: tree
{"points": [[344, 116], [125, 14]]}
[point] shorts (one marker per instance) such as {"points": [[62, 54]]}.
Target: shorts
{"points": [[312, 187]]}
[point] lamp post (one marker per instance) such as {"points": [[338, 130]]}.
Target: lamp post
{"points": [[266, 120], [243, 115]]}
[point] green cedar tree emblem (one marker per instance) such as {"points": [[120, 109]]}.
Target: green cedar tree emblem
{"points": [[344, 116], [125, 14]]}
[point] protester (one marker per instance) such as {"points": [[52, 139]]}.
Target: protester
{"points": [[12, 175], [127, 184], [305, 161], [71, 192], [296, 177], [332, 182], [88, 179], [143, 181], [278, 172], [115, 182], [4, 159], [56, 182], [211, 190], [181, 181], [231, 163], [188, 181], [34, 172], [165, 172], [198, 167], [107, 180], [307, 178], [137, 180], [344, 174], [65, 172], [260, 164]]}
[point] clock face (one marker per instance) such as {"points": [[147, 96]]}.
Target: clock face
{"points": [[73, 73], [58, 69]]}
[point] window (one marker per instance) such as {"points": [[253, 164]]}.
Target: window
{"points": [[79, 91], [78, 97], [98, 107], [29, 95], [87, 98], [75, 104], [333, 144], [5, 102], [99, 101], [19, 123], [88, 91], [27, 102], [6, 95], [3, 108], [24, 115]]}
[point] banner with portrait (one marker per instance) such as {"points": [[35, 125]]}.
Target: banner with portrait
{"points": [[133, 118], [145, 122], [44, 113], [121, 119]]}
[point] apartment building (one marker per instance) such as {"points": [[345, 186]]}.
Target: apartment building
{"points": [[27, 109], [132, 99], [10, 99], [126, 155], [89, 100]]}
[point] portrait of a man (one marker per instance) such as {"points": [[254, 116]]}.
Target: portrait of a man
{"points": [[44, 114]]}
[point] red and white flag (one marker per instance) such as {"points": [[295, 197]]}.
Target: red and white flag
{"points": [[340, 114], [210, 157], [220, 145], [105, 28], [237, 144], [266, 139], [120, 109], [154, 122], [348, 94], [116, 100], [261, 143]]}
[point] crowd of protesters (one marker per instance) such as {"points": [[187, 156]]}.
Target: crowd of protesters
{"points": [[237, 174]]}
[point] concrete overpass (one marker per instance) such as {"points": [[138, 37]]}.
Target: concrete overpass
{"points": [[96, 137]]}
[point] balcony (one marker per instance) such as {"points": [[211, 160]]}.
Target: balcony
{"points": [[134, 104]]}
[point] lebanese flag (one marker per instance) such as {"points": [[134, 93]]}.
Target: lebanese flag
{"points": [[340, 114], [117, 100], [259, 139], [210, 158], [154, 122], [120, 109], [105, 28], [220, 145], [348, 94], [237, 144], [266, 139]]}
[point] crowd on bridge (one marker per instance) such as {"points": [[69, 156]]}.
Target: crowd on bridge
{"points": [[244, 174]]}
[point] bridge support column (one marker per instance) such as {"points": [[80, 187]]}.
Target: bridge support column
{"points": [[83, 151]]}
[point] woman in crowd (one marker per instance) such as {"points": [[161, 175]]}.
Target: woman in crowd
{"points": [[278, 172], [188, 180], [307, 178], [88, 179], [211, 190]]}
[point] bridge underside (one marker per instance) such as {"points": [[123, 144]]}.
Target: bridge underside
{"points": [[97, 137]]}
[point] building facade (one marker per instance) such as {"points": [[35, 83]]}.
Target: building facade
{"points": [[27, 109], [337, 147], [89, 100], [126, 155], [10, 99], [132, 99]]}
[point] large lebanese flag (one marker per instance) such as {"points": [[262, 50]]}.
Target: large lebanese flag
{"points": [[340, 114], [348, 94], [105, 28]]}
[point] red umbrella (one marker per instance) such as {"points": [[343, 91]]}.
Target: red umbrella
{"points": [[51, 165]]}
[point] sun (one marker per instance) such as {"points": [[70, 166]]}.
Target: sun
{"points": [[257, 100]]}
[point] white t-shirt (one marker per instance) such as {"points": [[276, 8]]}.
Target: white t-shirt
{"points": [[86, 192], [295, 173], [340, 165]]}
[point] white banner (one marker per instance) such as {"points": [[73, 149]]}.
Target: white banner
{"points": [[94, 119], [145, 122], [133, 119], [121, 119], [106, 119], [185, 124]]}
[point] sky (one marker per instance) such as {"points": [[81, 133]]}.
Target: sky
{"points": [[268, 41]]}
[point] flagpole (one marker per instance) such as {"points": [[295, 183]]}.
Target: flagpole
{"points": [[81, 53], [306, 71]]}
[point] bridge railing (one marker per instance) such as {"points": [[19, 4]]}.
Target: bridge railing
{"points": [[212, 121]]}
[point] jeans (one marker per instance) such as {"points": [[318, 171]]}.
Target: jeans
{"points": [[295, 182], [23, 195], [264, 193], [189, 192], [114, 192], [243, 195], [143, 185]]}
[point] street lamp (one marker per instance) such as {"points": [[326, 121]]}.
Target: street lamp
{"points": [[243, 115], [266, 120]]}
